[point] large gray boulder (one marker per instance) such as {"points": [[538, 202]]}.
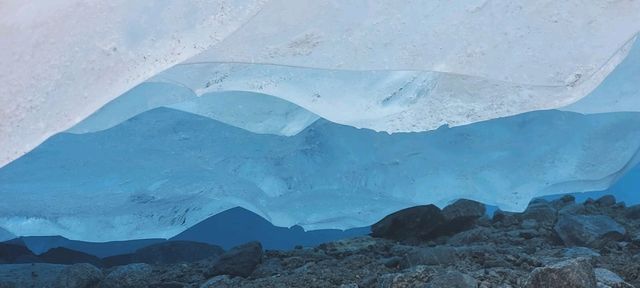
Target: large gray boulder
{"points": [[588, 230], [239, 261], [461, 215], [541, 211], [138, 275], [82, 275], [411, 224], [609, 279], [574, 273]]}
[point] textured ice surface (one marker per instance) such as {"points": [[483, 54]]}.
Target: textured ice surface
{"points": [[251, 111], [165, 170], [619, 92], [61, 61]]}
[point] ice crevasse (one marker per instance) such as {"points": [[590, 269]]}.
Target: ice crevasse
{"points": [[289, 82]]}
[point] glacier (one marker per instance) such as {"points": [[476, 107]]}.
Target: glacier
{"points": [[127, 120], [165, 170], [73, 57]]}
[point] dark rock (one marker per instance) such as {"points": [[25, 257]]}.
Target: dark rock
{"points": [[452, 279], [62, 255], [588, 230], [464, 208], [136, 275], [175, 252], [563, 201], [461, 215], [541, 211], [79, 276], [117, 260], [239, 261], [504, 218], [15, 253], [589, 201], [415, 223], [606, 201], [633, 212], [574, 273]]}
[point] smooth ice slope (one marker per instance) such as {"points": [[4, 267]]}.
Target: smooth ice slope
{"points": [[62, 60], [165, 170]]}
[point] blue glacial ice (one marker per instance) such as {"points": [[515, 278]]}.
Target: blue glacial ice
{"points": [[84, 55], [165, 170], [325, 114]]}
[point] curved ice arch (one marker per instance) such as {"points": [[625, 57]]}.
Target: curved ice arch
{"points": [[165, 170], [395, 91], [383, 100], [86, 54], [250, 111]]}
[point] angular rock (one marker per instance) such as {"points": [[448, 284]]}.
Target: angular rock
{"points": [[239, 261], [608, 279], [504, 218], [171, 252], [452, 279], [411, 224], [606, 201], [464, 208], [136, 275], [541, 211], [61, 255], [574, 273], [79, 276], [563, 201], [588, 230], [461, 215], [633, 212]]}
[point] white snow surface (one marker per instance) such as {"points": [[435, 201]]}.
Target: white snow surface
{"points": [[461, 61], [165, 170]]}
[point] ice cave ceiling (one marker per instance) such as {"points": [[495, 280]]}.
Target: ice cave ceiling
{"points": [[273, 92]]}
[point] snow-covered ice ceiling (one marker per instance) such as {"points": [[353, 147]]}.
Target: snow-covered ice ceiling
{"points": [[414, 64]]}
